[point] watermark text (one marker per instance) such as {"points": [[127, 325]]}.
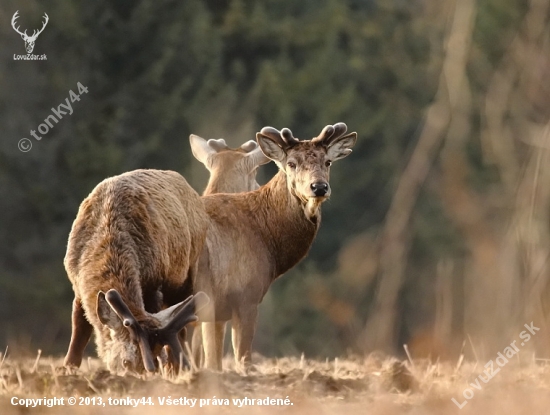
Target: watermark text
{"points": [[51, 120]]}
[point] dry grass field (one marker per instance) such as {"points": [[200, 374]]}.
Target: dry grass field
{"points": [[371, 385]]}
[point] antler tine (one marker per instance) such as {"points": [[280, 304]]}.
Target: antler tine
{"points": [[331, 133], [186, 313], [146, 352], [249, 146], [288, 137], [339, 130], [218, 144], [326, 133], [276, 136], [117, 303]]}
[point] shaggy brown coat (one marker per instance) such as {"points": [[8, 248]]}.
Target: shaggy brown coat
{"points": [[136, 233]]}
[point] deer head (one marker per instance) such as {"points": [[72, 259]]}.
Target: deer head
{"points": [[29, 40], [136, 346], [232, 170], [307, 163]]}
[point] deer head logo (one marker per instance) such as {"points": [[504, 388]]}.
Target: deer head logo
{"points": [[29, 40]]}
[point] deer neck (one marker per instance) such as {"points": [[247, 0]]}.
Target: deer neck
{"points": [[288, 225], [219, 185]]}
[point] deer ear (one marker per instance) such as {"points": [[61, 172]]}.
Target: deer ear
{"points": [[258, 157], [200, 148], [106, 314], [341, 147], [270, 148]]}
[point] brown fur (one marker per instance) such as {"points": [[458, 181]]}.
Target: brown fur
{"points": [[255, 237], [128, 235], [136, 233], [231, 171]]}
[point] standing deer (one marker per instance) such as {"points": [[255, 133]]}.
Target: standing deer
{"points": [[255, 237], [231, 171], [145, 200], [29, 40]]}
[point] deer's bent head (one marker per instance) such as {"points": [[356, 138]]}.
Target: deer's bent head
{"points": [[29, 40], [307, 163], [136, 346], [232, 170]]}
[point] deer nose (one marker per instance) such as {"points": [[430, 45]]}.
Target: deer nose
{"points": [[319, 188]]}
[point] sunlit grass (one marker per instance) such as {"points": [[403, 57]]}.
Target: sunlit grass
{"points": [[373, 384]]}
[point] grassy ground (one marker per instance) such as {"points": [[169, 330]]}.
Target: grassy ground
{"points": [[371, 385]]}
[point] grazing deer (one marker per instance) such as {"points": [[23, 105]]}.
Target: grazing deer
{"points": [[134, 234], [29, 40], [255, 237], [231, 169]]}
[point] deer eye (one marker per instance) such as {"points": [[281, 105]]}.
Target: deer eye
{"points": [[291, 165], [328, 163]]}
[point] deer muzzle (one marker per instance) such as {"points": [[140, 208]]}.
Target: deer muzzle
{"points": [[320, 189]]}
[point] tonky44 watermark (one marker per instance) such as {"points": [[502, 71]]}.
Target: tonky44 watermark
{"points": [[57, 114], [502, 359]]}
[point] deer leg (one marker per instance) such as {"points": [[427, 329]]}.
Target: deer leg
{"points": [[220, 337], [196, 345], [213, 336], [80, 335], [210, 347], [242, 333]]}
